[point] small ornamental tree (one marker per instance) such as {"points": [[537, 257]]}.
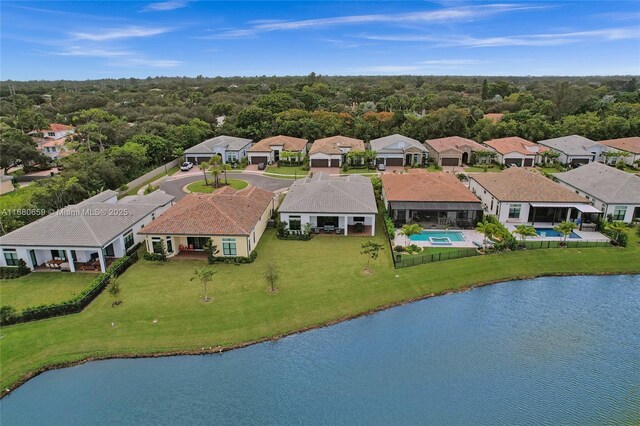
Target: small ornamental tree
{"points": [[204, 276], [271, 276], [371, 249]]}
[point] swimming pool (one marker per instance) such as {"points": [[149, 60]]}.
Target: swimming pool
{"points": [[439, 236], [550, 232]]}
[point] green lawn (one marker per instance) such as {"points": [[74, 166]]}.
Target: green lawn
{"points": [[322, 281], [18, 199], [199, 186], [41, 288], [284, 170], [492, 168]]}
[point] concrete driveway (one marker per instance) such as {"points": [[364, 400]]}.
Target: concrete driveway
{"points": [[174, 184]]}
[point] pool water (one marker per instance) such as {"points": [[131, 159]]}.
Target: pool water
{"points": [[453, 236], [550, 232]]}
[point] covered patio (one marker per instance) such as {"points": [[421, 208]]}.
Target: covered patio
{"points": [[584, 216], [436, 215], [72, 259]]}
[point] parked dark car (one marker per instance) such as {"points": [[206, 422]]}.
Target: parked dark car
{"points": [[262, 166]]}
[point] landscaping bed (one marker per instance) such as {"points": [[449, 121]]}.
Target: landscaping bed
{"points": [[200, 186]]}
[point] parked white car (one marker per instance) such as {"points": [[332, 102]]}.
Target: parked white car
{"points": [[186, 166]]}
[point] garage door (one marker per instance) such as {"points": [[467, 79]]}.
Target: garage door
{"points": [[516, 161], [579, 161], [450, 162], [335, 162], [191, 159], [394, 161], [319, 162], [258, 160], [528, 162]]}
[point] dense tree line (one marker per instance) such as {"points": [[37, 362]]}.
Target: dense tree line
{"points": [[128, 126]]}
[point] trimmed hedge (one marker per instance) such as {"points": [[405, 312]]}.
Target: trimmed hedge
{"points": [[236, 259], [11, 272], [77, 303]]}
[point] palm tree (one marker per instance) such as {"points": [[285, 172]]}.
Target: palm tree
{"points": [[565, 228], [525, 231], [487, 229], [409, 230], [215, 172], [204, 166], [224, 168]]}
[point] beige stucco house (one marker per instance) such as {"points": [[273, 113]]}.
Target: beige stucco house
{"points": [[234, 221]]}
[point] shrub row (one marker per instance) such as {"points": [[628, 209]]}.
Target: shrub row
{"points": [[154, 257], [389, 228], [233, 260], [11, 272], [73, 305]]}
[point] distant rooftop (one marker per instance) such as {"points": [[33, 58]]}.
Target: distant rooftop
{"points": [[230, 143], [396, 143], [571, 145], [603, 182]]}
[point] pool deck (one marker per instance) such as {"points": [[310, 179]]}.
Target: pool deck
{"points": [[584, 235], [469, 237]]}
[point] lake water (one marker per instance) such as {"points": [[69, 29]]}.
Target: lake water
{"points": [[545, 351]]}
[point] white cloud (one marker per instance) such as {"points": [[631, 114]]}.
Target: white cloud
{"points": [[447, 15], [118, 58], [120, 33], [98, 53], [549, 39], [165, 6]]}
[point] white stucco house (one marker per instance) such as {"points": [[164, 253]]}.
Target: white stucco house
{"points": [[575, 150], [332, 204], [516, 151], [521, 196], [268, 150], [229, 148], [332, 151], [399, 150], [86, 236], [629, 146], [613, 191]]}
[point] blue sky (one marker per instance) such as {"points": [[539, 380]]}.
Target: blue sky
{"points": [[84, 40]]}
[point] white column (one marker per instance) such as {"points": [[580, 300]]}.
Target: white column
{"points": [[103, 265], [346, 224], [72, 265], [373, 226]]}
